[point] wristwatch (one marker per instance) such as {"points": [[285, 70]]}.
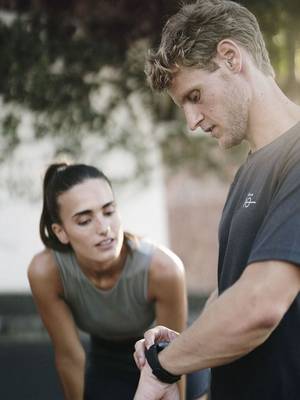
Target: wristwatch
{"points": [[152, 357]]}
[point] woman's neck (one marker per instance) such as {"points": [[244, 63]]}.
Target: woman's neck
{"points": [[104, 275]]}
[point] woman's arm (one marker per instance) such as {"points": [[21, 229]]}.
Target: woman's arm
{"points": [[47, 292], [167, 287]]}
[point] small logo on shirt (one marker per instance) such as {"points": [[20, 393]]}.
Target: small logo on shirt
{"points": [[249, 200]]}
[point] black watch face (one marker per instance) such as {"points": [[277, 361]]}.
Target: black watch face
{"points": [[161, 345]]}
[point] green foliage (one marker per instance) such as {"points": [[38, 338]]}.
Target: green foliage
{"points": [[77, 64], [9, 134]]}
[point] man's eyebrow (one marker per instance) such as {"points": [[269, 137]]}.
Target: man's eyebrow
{"points": [[88, 211]]}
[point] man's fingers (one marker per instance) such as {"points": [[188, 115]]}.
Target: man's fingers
{"points": [[173, 335], [139, 354], [157, 334], [152, 335]]}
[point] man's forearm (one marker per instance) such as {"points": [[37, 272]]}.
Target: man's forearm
{"points": [[228, 328], [231, 326]]}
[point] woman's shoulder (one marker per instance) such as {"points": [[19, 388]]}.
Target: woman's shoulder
{"points": [[167, 274], [161, 253], [42, 261], [166, 263], [43, 268]]}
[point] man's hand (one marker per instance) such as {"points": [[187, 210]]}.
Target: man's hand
{"points": [[158, 334], [150, 388]]}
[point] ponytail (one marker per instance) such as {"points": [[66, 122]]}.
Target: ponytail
{"points": [[49, 213]]}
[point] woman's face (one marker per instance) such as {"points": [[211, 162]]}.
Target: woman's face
{"points": [[90, 222]]}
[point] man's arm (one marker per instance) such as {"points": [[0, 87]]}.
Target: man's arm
{"points": [[69, 354], [231, 326], [238, 321]]}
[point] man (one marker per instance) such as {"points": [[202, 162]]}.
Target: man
{"points": [[213, 62]]}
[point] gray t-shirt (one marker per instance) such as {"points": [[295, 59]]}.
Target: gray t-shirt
{"points": [[260, 222], [119, 313]]}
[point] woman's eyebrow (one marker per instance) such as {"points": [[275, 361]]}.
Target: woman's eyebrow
{"points": [[83, 212], [88, 211], [110, 203]]}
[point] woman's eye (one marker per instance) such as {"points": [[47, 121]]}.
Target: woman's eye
{"points": [[108, 211]]}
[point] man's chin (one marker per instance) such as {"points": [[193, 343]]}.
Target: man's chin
{"points": [[224, 145], [228, 144]]}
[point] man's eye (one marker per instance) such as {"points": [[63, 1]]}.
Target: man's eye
{"points": [[84, 222], [194, 97]]}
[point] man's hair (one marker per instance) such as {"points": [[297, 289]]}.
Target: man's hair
{"points": [[190, 39]]}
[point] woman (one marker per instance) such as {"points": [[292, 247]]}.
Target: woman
{"points": [[98, 278]]}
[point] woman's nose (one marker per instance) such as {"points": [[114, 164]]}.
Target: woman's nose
{"points": [[102, 227]]}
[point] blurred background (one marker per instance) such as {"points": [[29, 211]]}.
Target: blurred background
{"points": [[72, 87]]}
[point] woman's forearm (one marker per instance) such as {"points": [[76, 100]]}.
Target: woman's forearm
{"points": [[71, 376]]}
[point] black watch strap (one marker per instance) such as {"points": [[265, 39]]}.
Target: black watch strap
{"points": [[152, 357]]}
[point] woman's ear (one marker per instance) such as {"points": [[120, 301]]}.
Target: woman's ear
{"points": [[229, 54], [60, 233]]}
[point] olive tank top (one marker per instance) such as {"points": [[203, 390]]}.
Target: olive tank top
{"points": [[116, 314]]}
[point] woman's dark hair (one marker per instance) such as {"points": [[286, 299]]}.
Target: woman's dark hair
{"points": [[58, 179]]}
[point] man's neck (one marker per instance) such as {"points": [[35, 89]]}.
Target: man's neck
{"points": [[271, 114]]}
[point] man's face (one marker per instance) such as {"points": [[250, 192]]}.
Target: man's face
{"points": [[215, 101]]}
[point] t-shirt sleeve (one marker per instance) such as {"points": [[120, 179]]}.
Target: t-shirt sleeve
{"points": [[279, 236]]}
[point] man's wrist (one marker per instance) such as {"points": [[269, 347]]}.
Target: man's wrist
{"points": [[163, 360], [157, 369]]}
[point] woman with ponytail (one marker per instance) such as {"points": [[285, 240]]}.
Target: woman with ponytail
{"points": [[93, 276]]}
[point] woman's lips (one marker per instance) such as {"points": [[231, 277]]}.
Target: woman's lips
{"points": [[105, 243]]}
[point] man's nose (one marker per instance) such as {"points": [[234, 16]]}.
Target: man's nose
{"points": [[193, 117]]}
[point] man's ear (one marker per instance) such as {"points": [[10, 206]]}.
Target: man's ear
{"points": [[60, 233], [229, 54]]}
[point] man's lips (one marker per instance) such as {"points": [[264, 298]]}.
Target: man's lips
{"points": [[211, 131], [208, 129]]}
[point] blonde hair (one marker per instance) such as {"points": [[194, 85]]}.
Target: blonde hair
{"points": [[190, 39]]}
